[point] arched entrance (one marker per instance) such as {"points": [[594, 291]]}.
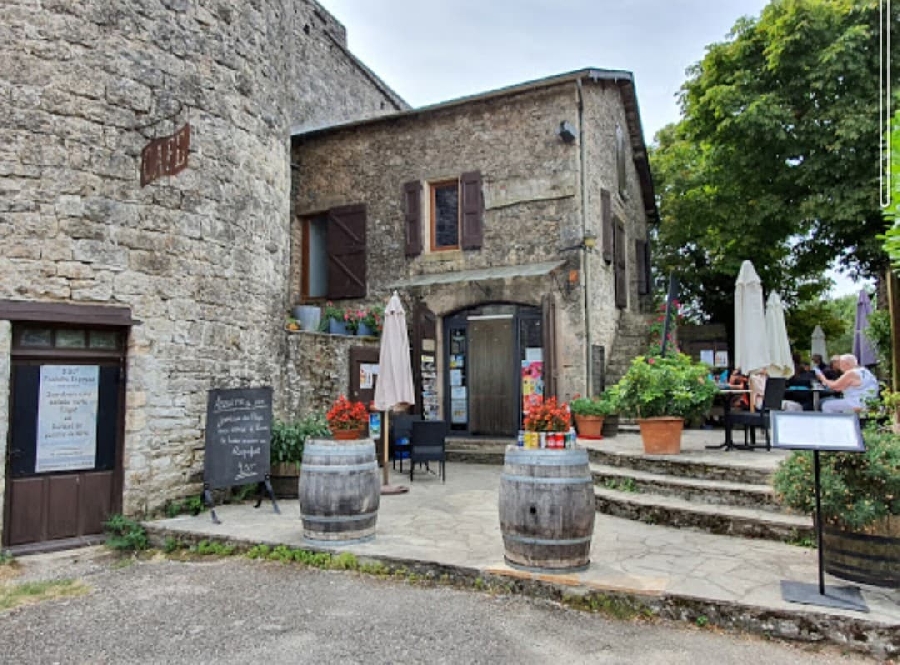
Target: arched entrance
{"points": [[494, 357]]}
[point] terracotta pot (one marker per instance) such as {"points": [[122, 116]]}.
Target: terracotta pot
{"points": [[661, 436], [346, 434], [591, 426]]}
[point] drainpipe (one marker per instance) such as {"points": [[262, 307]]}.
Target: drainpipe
{"points": [[589, 370]]}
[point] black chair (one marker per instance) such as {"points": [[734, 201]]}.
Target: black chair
{"points": [[750, 420], [400, 436], [427, 444]]}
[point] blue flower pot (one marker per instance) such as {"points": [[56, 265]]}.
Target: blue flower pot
{"points": [[337, 327], [364, 330]]}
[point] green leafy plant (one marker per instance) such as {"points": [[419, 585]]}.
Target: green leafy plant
{"points": [[600, 405], [673, 385], [288, 438], [123, 533], [858, 489], [374, 319], [879, 333]]}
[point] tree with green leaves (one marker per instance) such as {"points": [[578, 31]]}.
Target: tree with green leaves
{"points": [[776, 156], [892, 212]]}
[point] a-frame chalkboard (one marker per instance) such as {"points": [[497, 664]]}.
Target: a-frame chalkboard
{"points": [[238, 439]]}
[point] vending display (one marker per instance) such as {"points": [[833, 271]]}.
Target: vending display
{"points": [[430, 409], [459, 396]]}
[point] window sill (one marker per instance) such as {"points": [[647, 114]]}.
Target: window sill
{"points": [[441, 255]]}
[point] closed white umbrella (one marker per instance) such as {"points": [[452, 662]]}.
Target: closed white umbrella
{"points": [[395, 380], [818, 344], [751, 351], [781, 364]]}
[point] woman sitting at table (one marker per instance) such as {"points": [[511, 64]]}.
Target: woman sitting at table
{"points": [[738, 381], [758, 388], [857, 384]]}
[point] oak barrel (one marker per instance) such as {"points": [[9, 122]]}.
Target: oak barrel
{"points": [[339, 491], [547, 509], [872, 557]]}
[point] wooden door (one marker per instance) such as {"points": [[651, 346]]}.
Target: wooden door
{"points": [[493, 390], [56, 493]]}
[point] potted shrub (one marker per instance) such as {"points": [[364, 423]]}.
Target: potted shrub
{"points": [[286, 451], [661, 392], [347, 419], [372, 321], [860, 497], [333, 319], [610, 399], [589, 414]]}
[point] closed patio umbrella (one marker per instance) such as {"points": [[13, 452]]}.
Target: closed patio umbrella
{"points": [[818, 343], [395, 380], [781, 364], [862, 347], [751, 350]]}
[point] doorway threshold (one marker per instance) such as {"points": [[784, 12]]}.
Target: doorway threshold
{"points": [[55, 545]]}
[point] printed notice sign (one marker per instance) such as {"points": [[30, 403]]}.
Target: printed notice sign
{"points": [[67, 418]]}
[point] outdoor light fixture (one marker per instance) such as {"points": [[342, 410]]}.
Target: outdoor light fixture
{"points": [[566, 131]]}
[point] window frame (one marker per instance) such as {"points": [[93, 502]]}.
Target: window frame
{"points": [[432, 240]]}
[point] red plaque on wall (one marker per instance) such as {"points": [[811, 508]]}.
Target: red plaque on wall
{"points": [[166, 155]]}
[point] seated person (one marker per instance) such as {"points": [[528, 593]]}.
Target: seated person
{"points": [[738, 381], [758, 386], [856, 383], [818, 361], [833, 371]]}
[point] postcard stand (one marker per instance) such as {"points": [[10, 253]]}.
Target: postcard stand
{"points": [[819, 432]]}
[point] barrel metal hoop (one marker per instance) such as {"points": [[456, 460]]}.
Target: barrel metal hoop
{"points": [[548, 541], [547, 458], [338, 518], [579, 480], [343, 468]]}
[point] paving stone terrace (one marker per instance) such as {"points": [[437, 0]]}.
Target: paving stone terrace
{"points": [[453, 529], [718, 491]]}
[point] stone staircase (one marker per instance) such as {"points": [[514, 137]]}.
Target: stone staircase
{"points": [[716, 492], [630, 341]]}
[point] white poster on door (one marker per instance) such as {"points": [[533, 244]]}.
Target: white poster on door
{"points": [[67, 418]]}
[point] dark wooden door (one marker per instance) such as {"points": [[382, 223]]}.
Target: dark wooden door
{"points": [[363, 377], [66, 493], [493, 390]]}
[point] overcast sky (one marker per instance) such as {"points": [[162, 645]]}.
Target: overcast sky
{"points": [[430, 51]]}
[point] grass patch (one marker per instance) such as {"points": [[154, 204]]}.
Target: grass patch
{"points": [[26, 593], [615, 607]]}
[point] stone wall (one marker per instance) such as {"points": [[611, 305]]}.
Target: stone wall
{"points": [[317, 371], [202, 257]]}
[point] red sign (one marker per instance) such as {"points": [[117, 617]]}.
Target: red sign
{"points": [[166, 155]]}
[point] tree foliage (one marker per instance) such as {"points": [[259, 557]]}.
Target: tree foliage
{"points": [[776, 156], [892, 212]]}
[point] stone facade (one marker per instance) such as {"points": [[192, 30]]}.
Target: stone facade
{"points": [[201, 258], [534, 195]]}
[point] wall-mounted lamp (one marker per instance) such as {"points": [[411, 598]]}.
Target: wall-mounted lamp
{"points": [[566, 131]]}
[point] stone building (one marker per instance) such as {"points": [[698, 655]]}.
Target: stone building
{"points": [[514, 224], [154, 292]]}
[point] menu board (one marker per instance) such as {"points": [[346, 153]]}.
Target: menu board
{"points": [[238, 436], [67, 418]]}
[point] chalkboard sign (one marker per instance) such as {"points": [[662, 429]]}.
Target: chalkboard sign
{"points": [[238, 436]]}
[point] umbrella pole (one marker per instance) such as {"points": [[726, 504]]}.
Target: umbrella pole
{"points": [[386, 431]]}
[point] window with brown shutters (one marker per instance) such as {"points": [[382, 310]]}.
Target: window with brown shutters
{"points": [[607, 225], [640, 267], [472, 210], [621, 283], [412, 209], [346, 249]]}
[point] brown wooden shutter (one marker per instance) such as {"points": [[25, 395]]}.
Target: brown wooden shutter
{"points": [[606, 224], [412, 206], [346, 245], [548, 333], [621, 283], [640, 267], [472, 210]]}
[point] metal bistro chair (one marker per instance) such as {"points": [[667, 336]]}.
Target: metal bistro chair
{"points": [[400, 436], [750, 420], [427, 444]]}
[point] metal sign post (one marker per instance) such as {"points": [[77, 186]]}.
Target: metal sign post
{"points": [[819, 432]]}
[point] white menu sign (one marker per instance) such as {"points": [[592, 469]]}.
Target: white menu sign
{"points": [[67, 418]]}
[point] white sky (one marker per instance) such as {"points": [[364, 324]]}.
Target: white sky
{"points": [[430, 51]]}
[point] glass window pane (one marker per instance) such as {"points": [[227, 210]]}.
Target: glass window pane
{"points": [[317, 261], [36, 337], [70, 339], [104, 339], [446, 216]]}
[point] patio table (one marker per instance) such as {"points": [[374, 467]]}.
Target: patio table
{"points": [[728, 393]]}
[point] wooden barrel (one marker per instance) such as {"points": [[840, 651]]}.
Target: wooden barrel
{"points": [[339, 491], [870, 558], [547, 509]]}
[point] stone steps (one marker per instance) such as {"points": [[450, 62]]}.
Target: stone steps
{"points": [[717, 519], [698, 490]]}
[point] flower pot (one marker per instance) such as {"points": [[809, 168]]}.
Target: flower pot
{"points": [[337, 327], [309, 316], [610, 425], [364, 330], [590, 427], [661, 436], [284, 477], [347, 434]]}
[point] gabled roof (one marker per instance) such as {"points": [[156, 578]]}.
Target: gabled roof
{"points": [[623, 79]]}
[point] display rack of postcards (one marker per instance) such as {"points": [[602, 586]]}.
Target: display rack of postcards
{"points": [[430, 409]]}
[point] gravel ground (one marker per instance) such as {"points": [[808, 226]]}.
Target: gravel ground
{"points": [[234, 610]]}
